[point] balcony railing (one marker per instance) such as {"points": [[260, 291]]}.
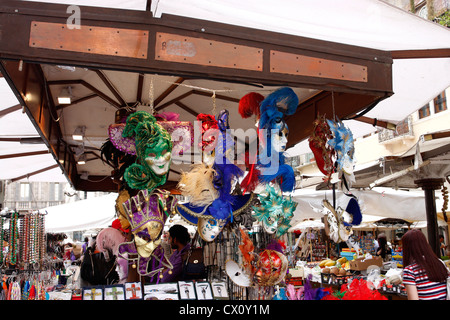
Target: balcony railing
{"points": [[30, 205]]}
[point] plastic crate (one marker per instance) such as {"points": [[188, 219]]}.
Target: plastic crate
{"points": [[348, 255]]}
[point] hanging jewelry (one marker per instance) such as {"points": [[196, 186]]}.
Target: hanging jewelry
{"points": [[1, 240], [35, 258], [13, 238], [25, 225], [30, 244], [41, 238], [445, 204]]}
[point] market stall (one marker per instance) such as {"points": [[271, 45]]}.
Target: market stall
{"points": [[191, 119]]}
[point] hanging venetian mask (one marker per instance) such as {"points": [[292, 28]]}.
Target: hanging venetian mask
{"points": [[210, 228], [318, 143], [337, 230], [153, 150], [197, 185], [273, 133], [237, 274], [147, 238], [275, 211], [279, 139], [343, 144], [209, 130], [159, 160], [271, 268], [147, 213]]}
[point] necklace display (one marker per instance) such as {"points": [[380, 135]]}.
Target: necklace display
{"points": [[41, 234], [32, 239], [1, 240], [24, 235], [22, 266], [26, 241], [13, 239]]}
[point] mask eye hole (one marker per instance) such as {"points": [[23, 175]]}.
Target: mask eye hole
{"points": [[152, 155]]}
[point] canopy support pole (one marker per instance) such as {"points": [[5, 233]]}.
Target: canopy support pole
{"points": [[429, 185]]}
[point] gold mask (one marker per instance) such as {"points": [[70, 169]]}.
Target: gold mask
{"points": [[145, 247]]}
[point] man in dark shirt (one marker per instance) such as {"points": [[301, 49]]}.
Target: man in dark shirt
{"points": [[179, 240]]}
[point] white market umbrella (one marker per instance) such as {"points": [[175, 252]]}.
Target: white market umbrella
{"points": [[307, 224]]}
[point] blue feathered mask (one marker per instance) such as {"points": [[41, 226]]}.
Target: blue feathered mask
{"points": [[272, 165]]}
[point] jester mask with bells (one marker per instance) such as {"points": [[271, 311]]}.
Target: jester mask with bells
{"points": [[147, 213], [275, 211], [153, 150]]}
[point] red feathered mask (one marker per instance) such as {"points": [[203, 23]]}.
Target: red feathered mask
{"points": [[208, 122], [250, 105], [323, 153]]}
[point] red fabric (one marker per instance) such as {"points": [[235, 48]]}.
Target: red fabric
{"points": [[328, 294], [251, 180], [359, 290]]}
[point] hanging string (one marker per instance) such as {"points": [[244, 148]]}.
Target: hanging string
{"points": [[151, 96], [332, 104], [213, 90], [214, 102]]}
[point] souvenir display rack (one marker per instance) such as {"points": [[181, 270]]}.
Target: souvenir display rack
{"points": [[319, 246], [26, 272], [25, 239], [226, 247], [366, 243]]}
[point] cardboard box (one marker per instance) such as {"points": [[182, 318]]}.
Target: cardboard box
{"points": [[358, 264], [296, 273]]}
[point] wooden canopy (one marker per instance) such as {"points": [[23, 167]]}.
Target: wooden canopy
{"points": [[110, 56]]}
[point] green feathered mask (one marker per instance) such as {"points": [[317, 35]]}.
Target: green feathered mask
{"points": [[153, 151], [275, 211]]}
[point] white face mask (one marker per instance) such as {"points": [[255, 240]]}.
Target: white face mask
{"points": [[270, 228], [348, 165], [209, 229], [159, 164], [279, 140], [237, 275]]}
